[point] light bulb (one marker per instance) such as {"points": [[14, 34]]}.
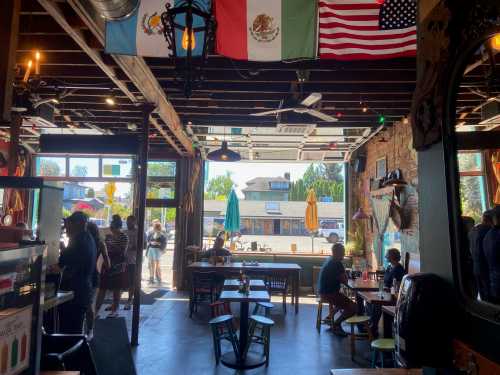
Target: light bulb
{"points": [[186, 37], [37, 55], [54, 100], [110, 101], [495, 42], [405, 120], [365, 109], [223, 157]]}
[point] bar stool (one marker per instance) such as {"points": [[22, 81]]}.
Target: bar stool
{"points": [[355, 320], [319, 317], [222, 329], [381, 346], [264, 338], [266, 306]]}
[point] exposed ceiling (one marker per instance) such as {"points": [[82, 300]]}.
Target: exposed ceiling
{"points": [[220, 107]]}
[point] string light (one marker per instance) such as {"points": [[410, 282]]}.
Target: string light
{"points": [[495, 42], [339, 114], [110, 101], [405, 120], [365, 109], [381, 119]]}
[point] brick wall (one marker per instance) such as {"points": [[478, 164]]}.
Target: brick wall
{"points": [[394, 144]]}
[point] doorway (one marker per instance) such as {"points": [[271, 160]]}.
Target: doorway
{"points": [[277, 226]]}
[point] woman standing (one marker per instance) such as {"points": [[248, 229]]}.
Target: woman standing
{"points": [[157, 241], [114, 278], [103, 264]]}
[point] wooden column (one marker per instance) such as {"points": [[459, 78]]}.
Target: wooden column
{"points": [[9, 30], [188, 224], [15, 128], [141, 187]]}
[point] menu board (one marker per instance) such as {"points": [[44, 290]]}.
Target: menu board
{"points": [[15, 340]]}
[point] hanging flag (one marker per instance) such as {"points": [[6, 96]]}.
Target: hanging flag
{"points": [[367, 29], [269, 30], [141, 34]]}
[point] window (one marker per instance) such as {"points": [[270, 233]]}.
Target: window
{"points": [[279, 185], [117, 168], [272, 207], [473, 195], [50, 166], [84, 167], [161, 168]]}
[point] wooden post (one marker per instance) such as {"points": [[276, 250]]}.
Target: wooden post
{"points": [[142, 169], [9, 30], [15, 129]]}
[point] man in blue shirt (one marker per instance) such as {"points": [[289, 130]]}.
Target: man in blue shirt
{"points": [[331, 276], [394, 271], [78, 262], [491, 247]]}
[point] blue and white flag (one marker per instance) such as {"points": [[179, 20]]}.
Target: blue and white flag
{"points": [[141, 34]]}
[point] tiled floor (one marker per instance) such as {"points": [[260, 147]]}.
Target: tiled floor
{"points": [[172, 343]]}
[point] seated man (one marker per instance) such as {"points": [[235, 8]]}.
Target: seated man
{"points": [[333, 274], [394, 271], [217, 250]]}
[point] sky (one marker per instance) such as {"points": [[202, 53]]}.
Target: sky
{"points": [[244, 171]]}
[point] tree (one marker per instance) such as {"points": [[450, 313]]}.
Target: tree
{"points": [[470, 188], [334, 172], [219, 187], [161, 169], [325, 179], [49, 168], [90, 193], [79, 171]]}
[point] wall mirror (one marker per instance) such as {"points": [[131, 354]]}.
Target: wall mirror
{"points": [[474, 158]]}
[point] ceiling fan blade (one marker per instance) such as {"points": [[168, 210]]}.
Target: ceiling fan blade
{"points": [[273, 112], [312, 99], [321, 115]]}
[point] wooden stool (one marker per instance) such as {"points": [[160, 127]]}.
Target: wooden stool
{"points": [[381, 346], [222, 329], [266, 306], [319, 316], [355, 320], [264, 324]]}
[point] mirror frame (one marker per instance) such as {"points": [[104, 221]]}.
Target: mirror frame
{"points": [[451, 142]]}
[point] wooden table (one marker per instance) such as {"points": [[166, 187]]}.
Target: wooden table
{"points": [[291, 270], [375, 298], [234, 284], [377, 371], [247, 361], [388, 313], [60, 373], [360, 285]]}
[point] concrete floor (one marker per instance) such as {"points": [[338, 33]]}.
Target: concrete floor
{"points": [[172, 343]]}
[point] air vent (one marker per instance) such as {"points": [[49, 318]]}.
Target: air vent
{"points": [[302, 129], [312, 155]]}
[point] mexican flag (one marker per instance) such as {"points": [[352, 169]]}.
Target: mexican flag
{"points": [[266, 30]]}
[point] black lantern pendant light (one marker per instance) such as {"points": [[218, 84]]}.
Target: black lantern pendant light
{"points": [[223, 154], [171, 19]]}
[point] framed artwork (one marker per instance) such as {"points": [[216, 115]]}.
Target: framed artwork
{"points": [[380, 167]]}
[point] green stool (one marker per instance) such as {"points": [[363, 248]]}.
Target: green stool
{"points": [[381, 346], [364, 320], [264, 325], [266, 306], [222, 329]]}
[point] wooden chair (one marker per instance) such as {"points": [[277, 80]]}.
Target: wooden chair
{"points": [[203, 288], [319, 315], [278, 284]]}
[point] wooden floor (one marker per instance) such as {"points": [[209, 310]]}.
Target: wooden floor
{"points": [[172, 343]]}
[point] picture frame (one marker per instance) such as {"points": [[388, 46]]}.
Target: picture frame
{"points": [[380, 168]]}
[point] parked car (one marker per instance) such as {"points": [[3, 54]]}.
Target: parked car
{"points": [[332, 230]]}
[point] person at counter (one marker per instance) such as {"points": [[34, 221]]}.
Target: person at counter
{"points": [[218, 250], [393, 274], [331, 276], [78, 262]]}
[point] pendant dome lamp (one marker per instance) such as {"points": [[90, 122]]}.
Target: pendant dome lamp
{"points": [[223, 154]]}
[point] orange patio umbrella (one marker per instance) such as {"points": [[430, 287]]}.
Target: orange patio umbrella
{"points": [[311, 219]]}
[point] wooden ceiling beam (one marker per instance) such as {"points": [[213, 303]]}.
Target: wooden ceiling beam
{"points": [[142, 77], [202, 121]]}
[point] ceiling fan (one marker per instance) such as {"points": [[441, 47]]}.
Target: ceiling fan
{"points": [[308, 106]]}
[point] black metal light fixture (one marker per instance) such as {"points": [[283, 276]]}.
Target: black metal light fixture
{"points": [[223, 154], [191, 70]]}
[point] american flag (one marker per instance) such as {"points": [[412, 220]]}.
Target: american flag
{"points": [[367, 29]]}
